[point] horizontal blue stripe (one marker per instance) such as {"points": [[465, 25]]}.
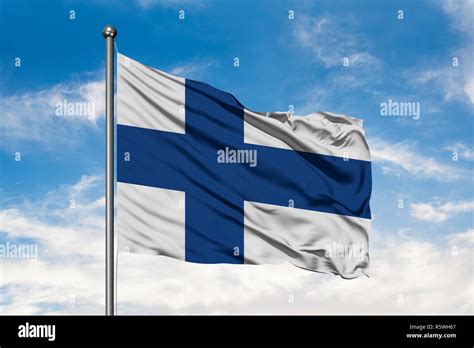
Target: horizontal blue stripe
{"points": [[314, 182]]}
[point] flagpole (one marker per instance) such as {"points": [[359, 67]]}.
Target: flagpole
{"points": [[109, 33]]}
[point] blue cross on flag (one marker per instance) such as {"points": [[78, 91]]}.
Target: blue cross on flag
{"points": [[203, 179]]}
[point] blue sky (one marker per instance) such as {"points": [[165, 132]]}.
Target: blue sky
{"points": [[282, 62]]}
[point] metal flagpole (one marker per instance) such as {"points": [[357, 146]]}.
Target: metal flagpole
{"points": [[109, 33]]}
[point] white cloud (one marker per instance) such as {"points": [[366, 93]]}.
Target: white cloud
{"points": [[60, 221], [469, 88], [399, 158], [331, 41], [454, 82], [463, 151], [426, 212], [407, 276], [461, 14], [53, 240], [331, 44], [194, 69], [32, 116], [462, 238], [86, 182], [69, 270], [440, 213]]}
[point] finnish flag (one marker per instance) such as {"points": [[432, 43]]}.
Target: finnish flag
{"points": [[203, 179]]}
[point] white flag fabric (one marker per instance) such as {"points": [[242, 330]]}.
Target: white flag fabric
{"points": [[203, 179]]}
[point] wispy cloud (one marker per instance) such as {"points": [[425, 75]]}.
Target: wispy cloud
{"points": [[349, 65], [463, 239], [193, 69], [330, 44], [462, 150], [454, 82], [53, 239], [67, 225], [439, 213], [461, 13], [399, 158], [48, 117], [64, 218]]}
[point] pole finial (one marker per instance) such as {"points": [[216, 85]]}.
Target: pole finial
{"points": [[109, 31]]}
